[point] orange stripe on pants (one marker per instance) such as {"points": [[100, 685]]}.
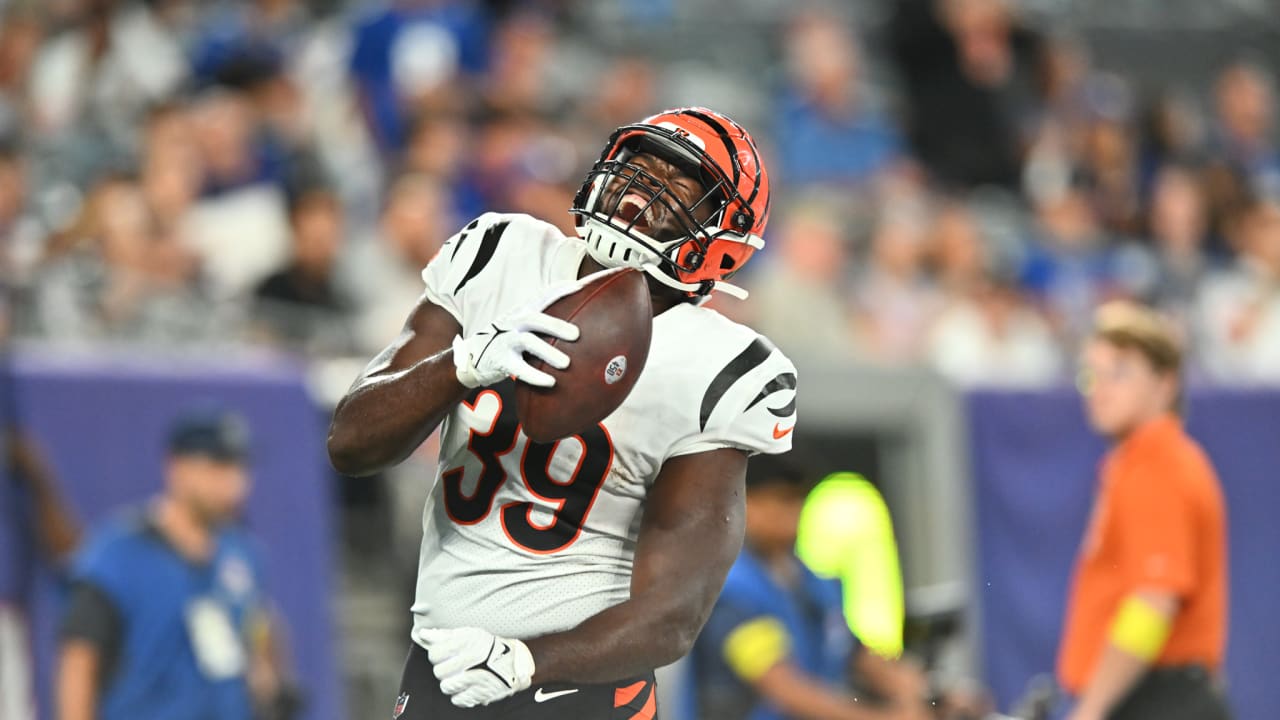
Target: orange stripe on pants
{"points": [[624, 695], [646, 712]]}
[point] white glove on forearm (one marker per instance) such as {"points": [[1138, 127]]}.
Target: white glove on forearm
{"points": [[476, 667], [495, 353]]}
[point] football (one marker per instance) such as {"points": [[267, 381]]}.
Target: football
{"points": [[615, 318]]}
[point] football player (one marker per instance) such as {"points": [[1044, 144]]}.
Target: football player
{"points": [[555, 577]]}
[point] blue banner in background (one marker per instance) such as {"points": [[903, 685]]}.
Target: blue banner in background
{"points": [[102, 425], [1035, 467]]}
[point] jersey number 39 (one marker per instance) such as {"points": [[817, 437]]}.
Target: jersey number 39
{"points": [[572, 496]]}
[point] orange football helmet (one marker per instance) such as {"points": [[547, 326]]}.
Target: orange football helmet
{"points": [[700, 255]]}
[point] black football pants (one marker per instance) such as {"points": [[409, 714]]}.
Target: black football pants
{"points": [[420, 698], [1177, 693]]}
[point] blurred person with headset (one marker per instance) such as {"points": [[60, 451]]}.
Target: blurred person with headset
{"points": [[1145, 628], [777, 645], [167, 618]]}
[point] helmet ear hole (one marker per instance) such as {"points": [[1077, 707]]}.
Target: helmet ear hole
{"points": [[727, 262]]}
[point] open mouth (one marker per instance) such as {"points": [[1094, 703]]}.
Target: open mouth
{"points": [[632, 211]]}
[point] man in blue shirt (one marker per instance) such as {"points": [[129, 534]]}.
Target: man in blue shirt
{"points": [[166, 619], [777, 645]]}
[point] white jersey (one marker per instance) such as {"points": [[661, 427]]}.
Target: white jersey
{"points": [[522, 538]]}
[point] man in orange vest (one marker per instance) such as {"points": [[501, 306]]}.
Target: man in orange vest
{"points": [[1146, 621]]}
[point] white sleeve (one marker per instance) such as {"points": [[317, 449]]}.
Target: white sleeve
{"points": [[750, 405], [461, 259]]}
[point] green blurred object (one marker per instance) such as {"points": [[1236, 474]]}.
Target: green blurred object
{"points": [[846, 533]]}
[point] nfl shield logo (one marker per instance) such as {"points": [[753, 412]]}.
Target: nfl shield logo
{"points": [[401, 703], [616, 368]]}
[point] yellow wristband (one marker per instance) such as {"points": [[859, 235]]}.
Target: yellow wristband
{"points": [[1140, 629], [755, 646]]}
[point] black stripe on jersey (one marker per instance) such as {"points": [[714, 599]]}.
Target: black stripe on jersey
{"points": [[746, 361], [785, 381], [463, 236], [488, 245]]}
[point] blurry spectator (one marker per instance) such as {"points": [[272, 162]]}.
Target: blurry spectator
{"points": [[807, 270], [172, 170], [985, 333], [277, 131], [1228, 194], [1087, 138], [1109, 162], [544, 181], [103, 73], [1179, 226], [991, 337], [522, 165], [1052, 152], [22, 231], [1239, 309], [301, 305], [119, 278], [384, 272], [959, 250], [20, 36], [408, 51], [233, 154], [1246, 121], [1071, 265], [776, 645], [1172, 130], [626, 90], [519, 80], [239, 224], [1065, 73], [261, 28], [438, 146], [895, 300], [969, 68], [167, 617], [827, 128]]}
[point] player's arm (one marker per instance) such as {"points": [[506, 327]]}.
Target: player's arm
{"points": [[902, 681], [91, 638], [400, 397], [77, 681], [411, 386], [691, 533], [1138, 634], [758, 653]]}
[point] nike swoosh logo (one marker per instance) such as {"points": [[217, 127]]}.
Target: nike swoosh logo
{"points": [[779, 433], [542, 696]]}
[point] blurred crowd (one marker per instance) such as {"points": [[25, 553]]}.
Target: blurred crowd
{"points": [[201, 175]]}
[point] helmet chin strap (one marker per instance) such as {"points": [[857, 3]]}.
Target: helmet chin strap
{"points": [[655, 271], [611, 248]]}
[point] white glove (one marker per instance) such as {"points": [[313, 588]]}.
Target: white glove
{"points": [[497, 352], [476, 667]]}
